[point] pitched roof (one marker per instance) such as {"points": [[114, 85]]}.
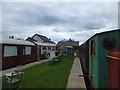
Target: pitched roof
{"points": [[116, 30], [30, 39], [15, 42], [45, 44], [44, 38], [68, 43]]}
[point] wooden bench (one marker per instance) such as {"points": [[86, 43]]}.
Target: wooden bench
{"points": [[12, 78]]}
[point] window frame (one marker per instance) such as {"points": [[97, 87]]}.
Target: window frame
{"points": [[28, 50], [10, 54]]}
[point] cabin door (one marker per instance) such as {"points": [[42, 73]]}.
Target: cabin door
{"points": [[38, 53], [20, 60], [92, 54]]}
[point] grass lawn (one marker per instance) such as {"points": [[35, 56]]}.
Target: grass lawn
{"points": [[46, 75]]}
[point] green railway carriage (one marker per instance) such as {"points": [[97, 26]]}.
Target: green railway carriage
{"points": [[99, 46], [100, 58]]}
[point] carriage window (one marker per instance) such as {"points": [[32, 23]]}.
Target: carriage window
{"points": [[92, 47], [109, 43], [27, 50], [10, 51]]}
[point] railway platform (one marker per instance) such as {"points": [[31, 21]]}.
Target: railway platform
{"points": [[76, 79]]}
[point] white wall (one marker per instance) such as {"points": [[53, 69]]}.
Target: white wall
{"points": [[43, 50], [52, 54], [37, 38]]}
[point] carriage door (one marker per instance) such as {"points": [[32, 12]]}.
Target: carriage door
{"points": [[92, 54]]}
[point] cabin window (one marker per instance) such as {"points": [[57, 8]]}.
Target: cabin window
{"points": [[92, 47], [10, 51], [109, 43], [27, 50]]}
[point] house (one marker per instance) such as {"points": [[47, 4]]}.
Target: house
{"points": [[16, 52], [40, 38], [67, 47], [44, 45]]}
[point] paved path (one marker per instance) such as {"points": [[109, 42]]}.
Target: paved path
{"points": [[21, 67], [76, 79]]}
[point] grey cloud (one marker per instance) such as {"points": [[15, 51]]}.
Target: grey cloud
{"points": [[56, 30], [66, 18], [92, 26]]}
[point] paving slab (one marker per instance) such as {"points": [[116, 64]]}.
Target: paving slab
{"points": [[76, 79]]}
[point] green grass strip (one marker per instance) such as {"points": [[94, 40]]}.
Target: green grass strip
{"points": [[46, 75]]}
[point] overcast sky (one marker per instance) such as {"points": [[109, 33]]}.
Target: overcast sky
{"points": [[58, 20]]}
